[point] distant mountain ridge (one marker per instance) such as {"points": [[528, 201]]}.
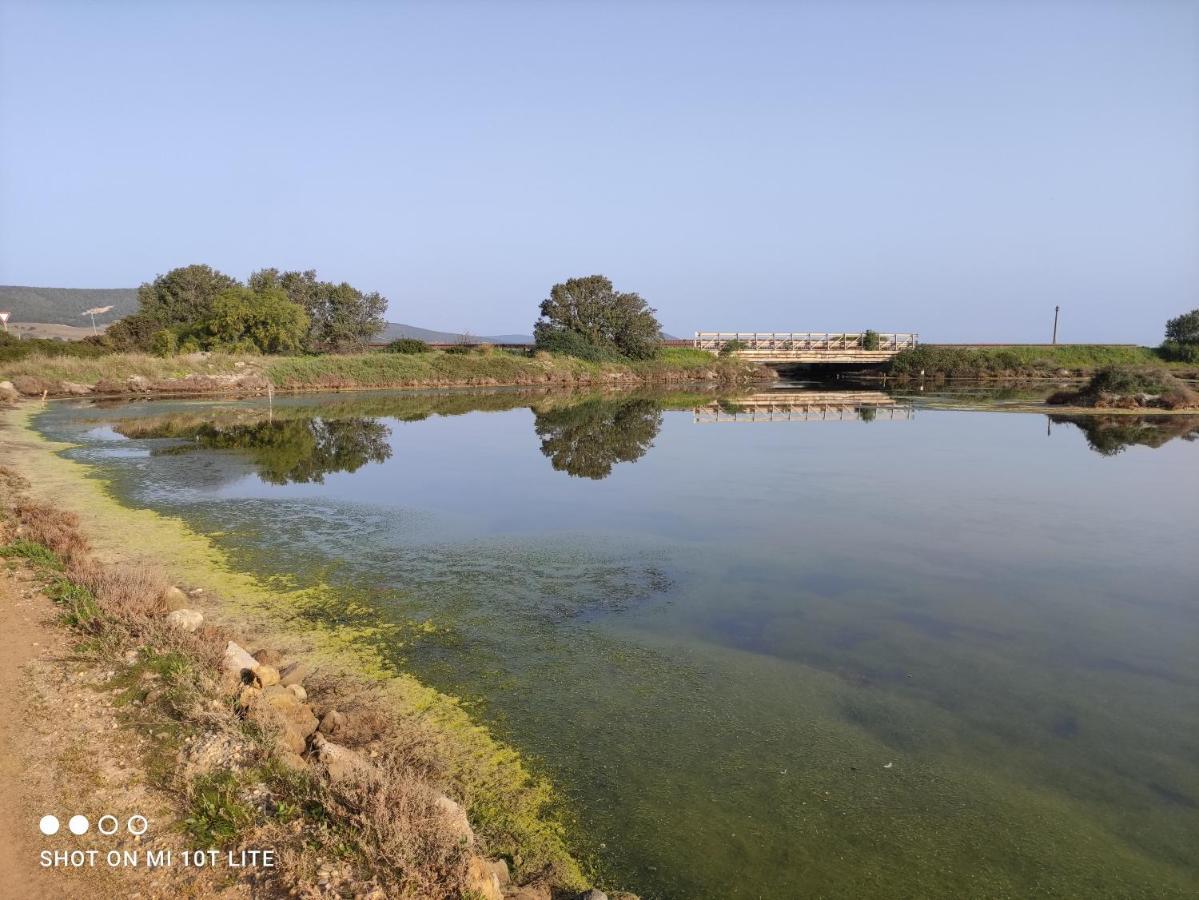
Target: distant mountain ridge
{"points": [[65, 306]]}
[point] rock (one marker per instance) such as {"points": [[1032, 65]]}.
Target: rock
{"points": [[499, 868], [73, 388], [137, 383], [293, 673], [237, 662], [248, 697], [292, 761], [185, 619], [456, 818], [332, 722], [278, 707], [174, 598], [340, 762], [481, 881], [265, 676], [298, 690], [268, 657], [9, 392], [530, 892], [593, 894]]}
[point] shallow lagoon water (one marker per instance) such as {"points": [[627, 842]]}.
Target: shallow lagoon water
{"points": [[846, 652]]}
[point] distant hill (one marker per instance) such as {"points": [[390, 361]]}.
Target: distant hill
{"points": [[64, 306], [396, 330]]}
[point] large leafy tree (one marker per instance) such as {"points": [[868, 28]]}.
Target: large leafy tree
{"points": [[174, 301], [264, 320], [603, 317], [341, 317], [1184, 329]]}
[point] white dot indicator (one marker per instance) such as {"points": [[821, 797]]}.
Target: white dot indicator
{"points": [[78, 824], [48, 825]]}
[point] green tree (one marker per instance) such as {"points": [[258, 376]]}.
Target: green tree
{"points": [[1184, 329], [604, 317], [341, 317], [265, 319], [179, 299]]}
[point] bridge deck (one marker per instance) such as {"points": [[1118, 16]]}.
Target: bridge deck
{"points": [[805, 346]]}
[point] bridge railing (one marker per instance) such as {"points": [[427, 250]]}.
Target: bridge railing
{"points": [[797, 341]]}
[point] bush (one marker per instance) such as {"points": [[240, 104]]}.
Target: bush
{"points": [[871, 340], [1179, 352], [571, 343], [731, 347], [408, 345], [164, 343]]}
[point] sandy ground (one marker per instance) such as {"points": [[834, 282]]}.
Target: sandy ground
{"points": [[64, 751], [53, 332]]}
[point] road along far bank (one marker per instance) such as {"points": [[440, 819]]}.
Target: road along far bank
{"points": [[199, 374], [363, 781]]}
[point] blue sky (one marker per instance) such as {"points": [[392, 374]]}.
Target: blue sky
{"points": [[955, 169]]}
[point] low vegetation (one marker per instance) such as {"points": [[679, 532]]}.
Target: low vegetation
{"points": [[1124, 387], [479, 365], [1029, 361]]}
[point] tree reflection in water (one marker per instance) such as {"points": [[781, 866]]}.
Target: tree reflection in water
{"points": [[293, 450], [587, 439], [1109, 435]]}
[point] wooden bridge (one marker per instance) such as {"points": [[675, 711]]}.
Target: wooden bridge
{"points": [[805, 406], [776, 347]]}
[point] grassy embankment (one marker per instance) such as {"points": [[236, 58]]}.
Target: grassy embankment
{"points": [[382, 827], [109, 373], [1023, 361]]}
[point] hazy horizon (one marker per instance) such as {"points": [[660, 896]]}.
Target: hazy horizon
{"points": [[955, 170]]}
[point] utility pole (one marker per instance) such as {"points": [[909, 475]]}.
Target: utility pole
{"points": [[1056, 310]]}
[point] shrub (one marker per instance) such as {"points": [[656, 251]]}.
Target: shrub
{"points": [[164, 343], [871, 340], [616, 321], [731, 347], [1179, 352], [408, 345], [572, 343]]}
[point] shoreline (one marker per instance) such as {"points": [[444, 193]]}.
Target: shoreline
{"points": [[496, 785], [201, 374]]}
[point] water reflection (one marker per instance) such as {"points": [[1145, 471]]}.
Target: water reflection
{"points": [[587, 439], [1109, 435], [283, 451]]}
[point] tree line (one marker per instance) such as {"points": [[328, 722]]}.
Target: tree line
{"points": [[199, 308]]}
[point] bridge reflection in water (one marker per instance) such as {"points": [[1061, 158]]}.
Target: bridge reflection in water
{"points": [[805, 406]]}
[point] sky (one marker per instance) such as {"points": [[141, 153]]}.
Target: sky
{"points": [[951, 168]]}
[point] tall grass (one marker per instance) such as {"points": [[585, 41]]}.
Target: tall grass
{"points": [[1017, 361]]}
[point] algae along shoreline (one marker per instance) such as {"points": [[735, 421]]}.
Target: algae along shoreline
{"points": [[417, 799], [215, 374]]}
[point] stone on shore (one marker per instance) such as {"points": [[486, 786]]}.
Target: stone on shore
{"points": [[265, 676], [174, 598], [341, 762], [237, 661], [293, 673], [456, 818], [481, 881], [185, 619]]}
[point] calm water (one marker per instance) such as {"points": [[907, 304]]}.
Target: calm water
{"points": [[764, 650]]}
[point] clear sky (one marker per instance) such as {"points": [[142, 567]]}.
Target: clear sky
{"points": [[952, 168]]}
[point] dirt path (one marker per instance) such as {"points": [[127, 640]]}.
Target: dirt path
{"points": [[28, 635]]}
